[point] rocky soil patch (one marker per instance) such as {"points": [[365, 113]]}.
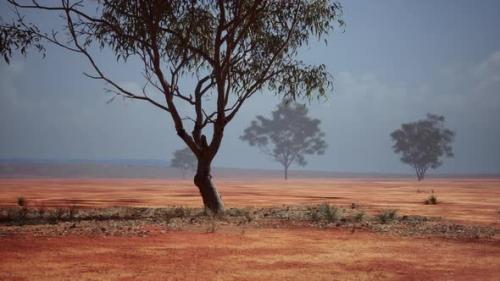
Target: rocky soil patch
{"points": [[142, 222]]}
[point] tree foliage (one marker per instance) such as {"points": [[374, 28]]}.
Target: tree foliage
{"points": [[288, 136], [201, 60], [184, 160], [423, 143]]}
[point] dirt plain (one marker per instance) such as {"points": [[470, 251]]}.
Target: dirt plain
{"points": [[247, 253]]}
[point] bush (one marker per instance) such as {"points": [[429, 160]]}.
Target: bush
{"points": [[359, 216], [432, 200], [313, 214], [21, 202], [387, 216], [331, 213], [325, 212]]}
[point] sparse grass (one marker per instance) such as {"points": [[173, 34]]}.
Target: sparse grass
{"points": [[314, 214], [431, 200], [323, 215], [41, 211], [359, 216], [240, 212], [324, 212], [181, 212], [59, 213], [387, 216], [12, 215], [236, 212], [72, 211]]}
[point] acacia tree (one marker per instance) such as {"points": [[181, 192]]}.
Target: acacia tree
{"points": [[184, 160], [288, 137], [225, 51], [423, 143]]}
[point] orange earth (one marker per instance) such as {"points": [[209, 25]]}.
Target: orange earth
{"points": [[462, 200], [234, 253]]}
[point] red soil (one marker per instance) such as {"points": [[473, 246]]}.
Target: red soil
{"points": [[256, 254], [234, 253], [465, 200]]}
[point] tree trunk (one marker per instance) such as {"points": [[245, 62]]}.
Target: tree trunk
{"points": [[420, 173], [203, 180]]}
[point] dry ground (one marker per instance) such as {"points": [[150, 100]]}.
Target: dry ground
{"points": [[256, 254], [462, 200], [242, 253]]}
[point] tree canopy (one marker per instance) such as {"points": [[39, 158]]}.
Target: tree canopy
{"points": [[201, 60], [288, 136], [423, 143], [184, 160]]}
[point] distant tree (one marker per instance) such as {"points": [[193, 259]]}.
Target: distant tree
{"points": [[288, 137], [201, 60], [184, 160], [423, 143]]}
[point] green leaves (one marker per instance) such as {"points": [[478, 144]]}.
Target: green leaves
{"points": [[228, 49], [299, 80]]}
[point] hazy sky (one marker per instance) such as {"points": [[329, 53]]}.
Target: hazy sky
{"points": [[395, 62]]}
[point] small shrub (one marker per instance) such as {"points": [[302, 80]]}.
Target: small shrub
{"points": [[21, 202], [181, 212], [325, 212], [313, 214], [72, 212], [41, 211], [23, 213], [248, 216], [331, 213], [432, 200], [359, 216], [387, 216], [59, 213]]}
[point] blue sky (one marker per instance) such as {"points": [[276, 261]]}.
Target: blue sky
{"points": [[394, 62]]}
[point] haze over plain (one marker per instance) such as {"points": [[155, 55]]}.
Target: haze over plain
{"points": [[394, 63]]}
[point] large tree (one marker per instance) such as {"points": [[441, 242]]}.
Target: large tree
{"points": [[201, 60], [288, 136], [423, 143], [184, 160]]}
